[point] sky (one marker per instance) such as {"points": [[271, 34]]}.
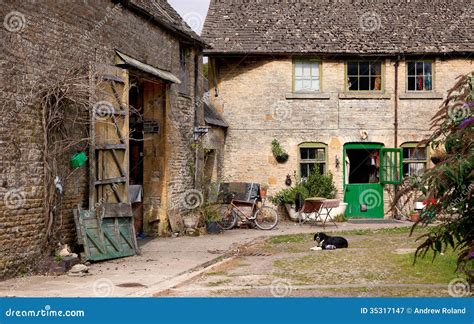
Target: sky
{"points": [[193, 11]]}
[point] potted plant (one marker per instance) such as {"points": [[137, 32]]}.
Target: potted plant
{"points": [[211, 218], [263, 190], [415, 216], [316, 185], [278, 152]]}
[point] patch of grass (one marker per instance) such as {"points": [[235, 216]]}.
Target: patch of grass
{"points": [[297, 238], [341, 218], [428, 270], [219, 282], [217, 273]]}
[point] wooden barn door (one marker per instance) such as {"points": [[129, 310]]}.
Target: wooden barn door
{"points": [[113, 235]]}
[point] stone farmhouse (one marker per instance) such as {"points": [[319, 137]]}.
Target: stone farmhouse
{"points": [[137, 64], [345, 86]]}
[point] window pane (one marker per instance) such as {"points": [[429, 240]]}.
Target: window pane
{"points": [[364, 68], [304, 154], [411, 83], [304, 170], [353, 83], [376, 69], [411, 68], [311, 153], [315, 69], [428, 70], [321, 154], [419, 83], [416, 168], [306, 70], [298, 84], [364, 83], [307, 84], [428, 84], [352, 69], [315, 85], [298, 69], [322, 168], [419, 68], [376, 83]]}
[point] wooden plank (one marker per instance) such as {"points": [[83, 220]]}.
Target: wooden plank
{"points": [[111, 147], [117, 210], [110, 181]]}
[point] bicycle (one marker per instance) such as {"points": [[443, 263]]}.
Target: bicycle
{"points": [[264, 217]]}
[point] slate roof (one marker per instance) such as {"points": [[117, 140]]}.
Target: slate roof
{"points": [[212, 117], [369, 27], [163, 13]]}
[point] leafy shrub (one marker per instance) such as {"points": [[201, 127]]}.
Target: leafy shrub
{"points": [[316, 185]]}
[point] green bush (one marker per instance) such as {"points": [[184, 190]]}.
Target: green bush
{"points": [[316, 185]]}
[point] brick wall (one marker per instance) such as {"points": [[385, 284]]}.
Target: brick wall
{"points": [[55, 36], [252, 97]]}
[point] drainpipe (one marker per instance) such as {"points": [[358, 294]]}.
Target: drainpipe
{"points": [[395, 124]]}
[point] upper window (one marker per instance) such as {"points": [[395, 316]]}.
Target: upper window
{"points": [[306, 75], [312, 155], [420, 76], [364, 76], [415, 159]]}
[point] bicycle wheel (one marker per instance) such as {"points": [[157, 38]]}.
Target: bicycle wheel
{"points": [[228, 218], [266, 218]]}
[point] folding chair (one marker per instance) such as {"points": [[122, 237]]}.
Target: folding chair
{"points": [[321, 208]]}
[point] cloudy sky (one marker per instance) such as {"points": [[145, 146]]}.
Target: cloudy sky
{"points": [[193, 11]]}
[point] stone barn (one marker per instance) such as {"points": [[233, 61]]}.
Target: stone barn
{"points": [[100, 103]]}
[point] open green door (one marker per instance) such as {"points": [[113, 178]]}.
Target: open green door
{"points": [[367, 168], [391, 166]]}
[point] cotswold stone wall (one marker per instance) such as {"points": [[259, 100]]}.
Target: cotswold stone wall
{"points": [[252, 95], [54, 36]]}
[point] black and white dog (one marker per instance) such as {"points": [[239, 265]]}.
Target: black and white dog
{"points": [[326, 242]]}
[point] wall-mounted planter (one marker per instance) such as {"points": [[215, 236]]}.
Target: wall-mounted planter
{"points": [[278, 152]]}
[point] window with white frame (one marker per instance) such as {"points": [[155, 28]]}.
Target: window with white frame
{"points": [[307, 75], [420, 76], [415, 159]]}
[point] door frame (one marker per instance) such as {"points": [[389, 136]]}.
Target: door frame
{"points": [[360, 146]]}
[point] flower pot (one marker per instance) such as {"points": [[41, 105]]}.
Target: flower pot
{"points": [[282, 158], [263, 192], [415, 217], [213, 228]]}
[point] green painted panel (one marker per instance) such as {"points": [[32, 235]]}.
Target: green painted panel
{"points": [[105, 238], [364, 200]]}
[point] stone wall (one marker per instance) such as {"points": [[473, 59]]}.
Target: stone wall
{"points": [[49, 39], [253, 98]]}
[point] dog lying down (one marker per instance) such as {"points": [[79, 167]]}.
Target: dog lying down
{"points": [[326, 242]]}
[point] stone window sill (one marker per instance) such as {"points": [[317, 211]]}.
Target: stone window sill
{"points": [[364, 95], [308, 95], [420, 96]]}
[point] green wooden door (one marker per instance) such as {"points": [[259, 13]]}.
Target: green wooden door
{"points": [[364, 199]]}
